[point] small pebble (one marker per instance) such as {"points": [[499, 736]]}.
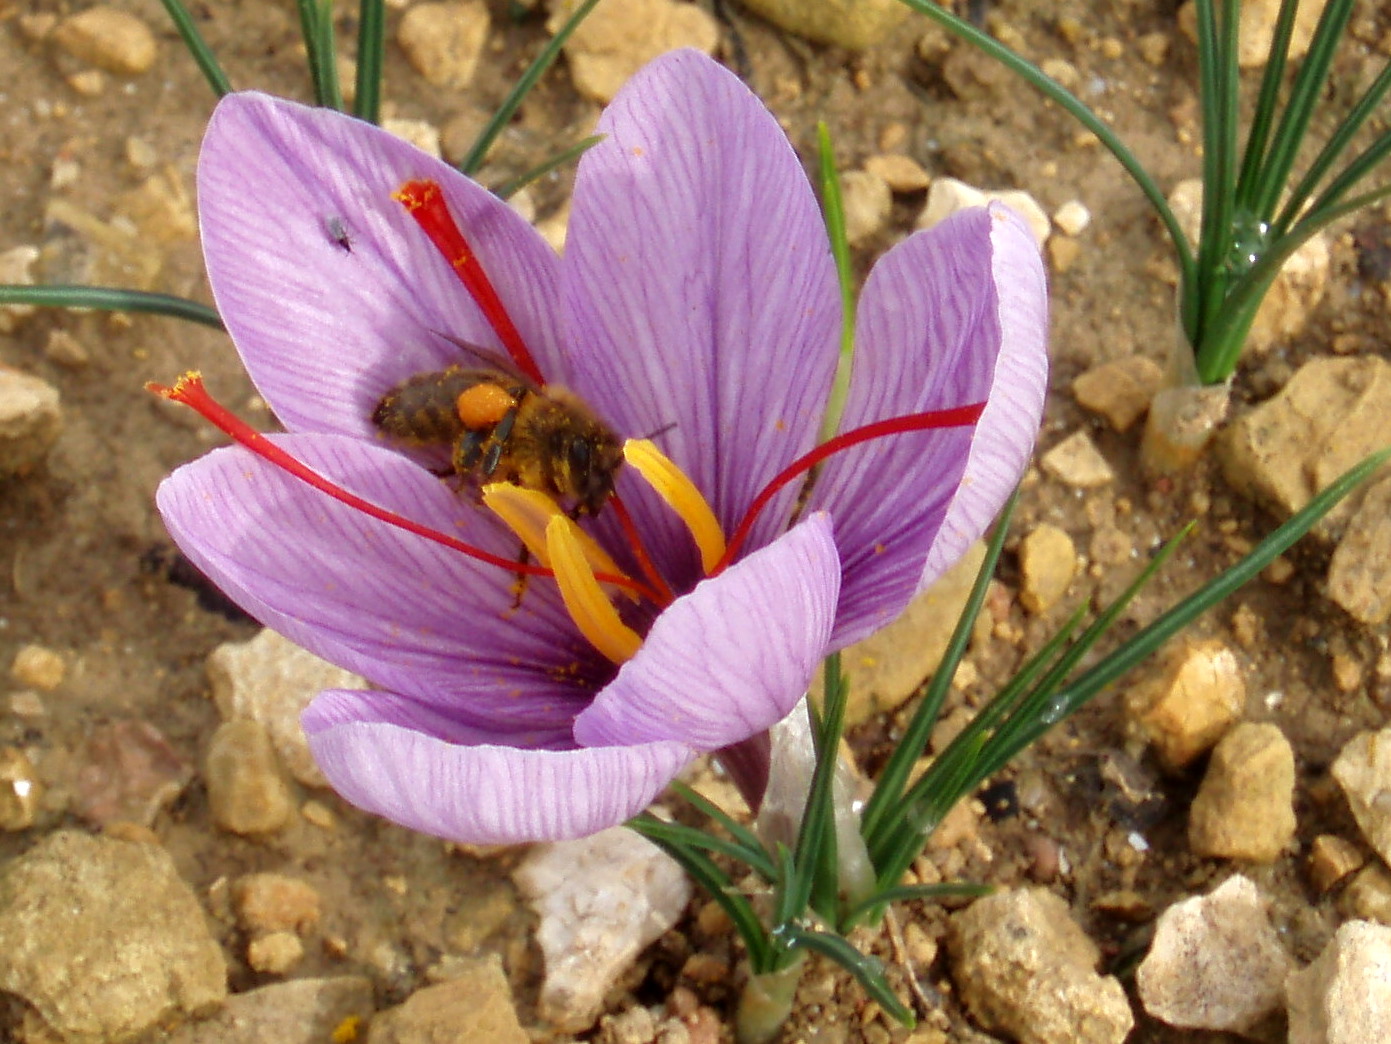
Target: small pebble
{"points": [[901, 173], [1216, 962], [1363, 770], [1072, 217], [1047, 565], [1245, 806], [89, 83], [1077, 462], [867, 202], [275, 954], [1119, 390], [140, 154], [1063, 253], [621, 36], [1153, 47], [1345, 995], [268, 902], [129, 773], [948, 195], [246, 792], [443, 41], [109, 38], [475, 1005], [39, 668], [1368, 894], [1331, 860], [423, 134], [20, 790], [66, 350], [17, 268]]}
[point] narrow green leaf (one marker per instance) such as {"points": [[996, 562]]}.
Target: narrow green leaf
{"points": [[833, 207], [703, 841], [316, 27], [474, 158], [751, 848], [508, 188], [1263, 119], [888, 789], [867, 969], [110, 299], [198, 47], [371, 45]]}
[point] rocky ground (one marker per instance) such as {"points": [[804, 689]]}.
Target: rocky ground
{"points": [[171, 867]]}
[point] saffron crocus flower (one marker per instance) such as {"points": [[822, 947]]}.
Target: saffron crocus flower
{"points": [[697, 299]]}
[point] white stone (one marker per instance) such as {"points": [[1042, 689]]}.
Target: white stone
{"points": [[1072, 217], [1344, 997], [948, 195], [1077, 462], [1216, 962], [600, 901], [867, 201]]}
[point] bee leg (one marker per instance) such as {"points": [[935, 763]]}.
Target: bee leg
{"points": [[497, 440], [519, 584], [467, 451]]}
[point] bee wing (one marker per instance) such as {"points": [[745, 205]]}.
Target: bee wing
{"points": [[494, 361]]}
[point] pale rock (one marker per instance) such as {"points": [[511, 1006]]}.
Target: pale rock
{"points": [[1363, 770], [140, 154], [21, 790], [1154, 47], [903, 174], [1023, 967], [474, 1006], [1063, 253], [1244, 808], [30, 421], [66, 350], [1331, 860], [1328, 416], [1368, 895], [1359, 574], [90, 83], [303, 1011], [1047, 564], [1216, 962], [160, 208], [1295, 292], [1256, 29], [443, 41], [1119, 390], [109, 38], [867, 202], [1072, 217], [1063, 71], [246, 793], [854, 24], [948, 195], [621, 36], [17, 269], [269, 679], [600, 900], [104, 939], [1187, 705], [274, 954], [270, 902], [1077, 462], [887, 668], [1344, 997], [423, 134], [38, 667]]}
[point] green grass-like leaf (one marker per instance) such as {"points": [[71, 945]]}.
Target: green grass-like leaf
{"points": [[111, 299], [198, 47], [371, 45]]}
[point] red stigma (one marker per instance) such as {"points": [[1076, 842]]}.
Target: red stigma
{"points": [[424, 201], [956, 417], [190, 391]]}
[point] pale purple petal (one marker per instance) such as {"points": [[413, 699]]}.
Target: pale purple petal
{"points": [[481, 794], [1007, 430], [732, 657], [404, 612], [700, 288], [329, 288], [930, 329]]}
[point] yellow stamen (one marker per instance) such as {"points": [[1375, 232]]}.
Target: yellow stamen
{"points": [[527, 512], [584, 599], [672, 485]]}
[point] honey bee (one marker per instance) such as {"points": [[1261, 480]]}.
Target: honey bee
{"points": [[502, 427]]}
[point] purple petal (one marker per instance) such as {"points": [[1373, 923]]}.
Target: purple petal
{"points": [[480, 794], [1007, 430], [330, 290], [408, 614], [731, 658], [951, 316], [700, 289]]}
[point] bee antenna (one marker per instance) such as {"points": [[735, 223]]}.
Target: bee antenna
{"points": [[660, 431]]}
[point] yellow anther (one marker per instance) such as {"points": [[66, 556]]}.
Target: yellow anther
{"points": [[672, 485], [584, 598], [527, 512]]}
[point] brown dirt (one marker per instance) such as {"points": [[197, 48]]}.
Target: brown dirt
{"points": [[74, 535]]}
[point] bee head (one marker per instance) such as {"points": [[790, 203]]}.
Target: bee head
{"points": [[591, 462]]}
